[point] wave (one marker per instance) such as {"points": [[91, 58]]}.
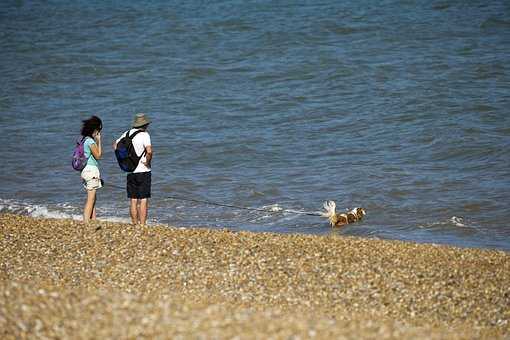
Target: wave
{"points": [[58, 211], [453, 221], [35, 210], [495, 23]]}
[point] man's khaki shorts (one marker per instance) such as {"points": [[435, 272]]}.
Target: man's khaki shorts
{"points": [[91, 178]]}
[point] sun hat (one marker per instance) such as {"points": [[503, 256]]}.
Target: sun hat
{"points": [[140, 120]]}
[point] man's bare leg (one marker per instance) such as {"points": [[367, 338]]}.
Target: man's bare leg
{"points": [[144, 207], [133, 210]]}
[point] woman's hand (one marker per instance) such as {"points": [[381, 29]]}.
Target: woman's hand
{"points": [[96, 148]]}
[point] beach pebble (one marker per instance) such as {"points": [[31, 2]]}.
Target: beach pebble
{"points": [[62, 279]]}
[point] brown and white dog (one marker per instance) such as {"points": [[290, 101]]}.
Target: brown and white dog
{"points": [[338, 220]]}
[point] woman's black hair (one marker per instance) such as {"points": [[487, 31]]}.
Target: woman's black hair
{"points": [[90, 125]]}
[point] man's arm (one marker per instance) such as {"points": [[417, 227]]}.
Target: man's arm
{"points": [[148, 156], [115, 142], [114, 145]]}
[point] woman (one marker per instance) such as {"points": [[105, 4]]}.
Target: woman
{"points": [[91, 132]]}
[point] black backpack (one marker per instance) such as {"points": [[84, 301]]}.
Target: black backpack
{"points": [[126, 154]]}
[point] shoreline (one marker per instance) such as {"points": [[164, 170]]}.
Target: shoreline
{"points": [[60, 278], [431, 236]]}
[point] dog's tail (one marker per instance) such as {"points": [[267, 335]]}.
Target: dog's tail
{"points": [[330, 213], [330, 207]]}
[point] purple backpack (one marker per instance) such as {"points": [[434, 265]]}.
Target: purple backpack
{"points": [[79, 159]]}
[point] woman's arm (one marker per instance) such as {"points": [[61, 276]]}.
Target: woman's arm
{"points": [[96, 149]]}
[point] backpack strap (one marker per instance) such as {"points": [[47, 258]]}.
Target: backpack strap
{"points": [[133, 136], [83, 140]]}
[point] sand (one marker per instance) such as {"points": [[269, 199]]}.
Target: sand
{"points": [[63, 279]]}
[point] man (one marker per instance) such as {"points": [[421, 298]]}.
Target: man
{"points": [[139, 181]]}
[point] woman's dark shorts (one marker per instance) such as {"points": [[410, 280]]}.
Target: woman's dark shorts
{"points": [[139, 185]]}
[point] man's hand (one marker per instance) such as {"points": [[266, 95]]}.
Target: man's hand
{"points": [[148, 156]]}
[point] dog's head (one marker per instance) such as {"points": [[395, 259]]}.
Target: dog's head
{"points": [[360, 213]]}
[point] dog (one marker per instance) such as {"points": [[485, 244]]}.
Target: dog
{"points": [[339, 220]]}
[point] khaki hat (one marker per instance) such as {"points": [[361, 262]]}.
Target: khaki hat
{"points": [[140, 120]]}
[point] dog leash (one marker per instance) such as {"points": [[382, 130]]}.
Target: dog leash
{"points": [[279, 211], [309, 213]]}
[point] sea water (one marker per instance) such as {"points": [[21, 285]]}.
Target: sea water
{"points": [[400, 107]]}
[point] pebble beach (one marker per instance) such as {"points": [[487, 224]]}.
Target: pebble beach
{"points": [[64, 279]]}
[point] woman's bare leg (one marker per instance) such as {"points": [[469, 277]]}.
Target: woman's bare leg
{"points": [[89, 209]]}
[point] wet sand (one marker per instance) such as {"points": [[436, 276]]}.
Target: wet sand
{"points": [[60, 278]]}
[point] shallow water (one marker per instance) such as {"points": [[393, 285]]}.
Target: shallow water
{"points": [[399, 107]]}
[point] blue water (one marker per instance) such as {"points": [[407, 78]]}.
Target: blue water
{"points": [[401, 107]]}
